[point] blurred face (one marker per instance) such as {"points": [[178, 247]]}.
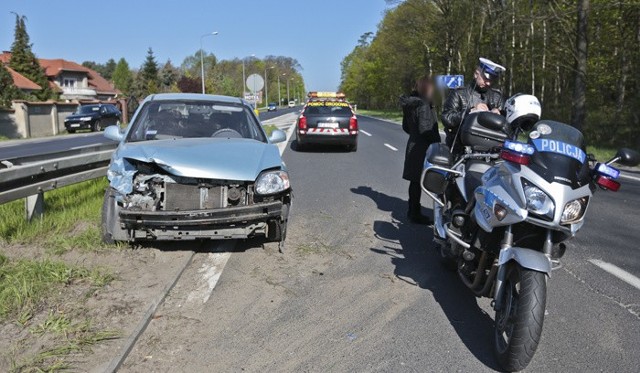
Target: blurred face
{"points": [[427, 90], [481, 81]]}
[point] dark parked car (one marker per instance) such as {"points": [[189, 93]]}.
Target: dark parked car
{"points": [[272, 106], [92, 117], [327, 122]]}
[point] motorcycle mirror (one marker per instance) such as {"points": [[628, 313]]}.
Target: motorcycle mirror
{"points": [[626, 157]]}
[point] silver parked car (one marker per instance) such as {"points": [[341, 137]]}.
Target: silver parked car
{"points": [[192, 166]]}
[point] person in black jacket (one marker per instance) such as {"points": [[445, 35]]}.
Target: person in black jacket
{"points": [[419, 120], [479, 95]]}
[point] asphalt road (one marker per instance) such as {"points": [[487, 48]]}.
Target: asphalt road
{"points": [[25, 148], [359, 289]]}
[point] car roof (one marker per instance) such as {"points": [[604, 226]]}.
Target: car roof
{"points": [[193, 97]]}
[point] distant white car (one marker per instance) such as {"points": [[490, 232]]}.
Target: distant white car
{"points": [[292, 104]]}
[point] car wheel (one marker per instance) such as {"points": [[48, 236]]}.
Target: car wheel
{"points": [[111, 230], [353, 147], [96, 126], [71, 131]]}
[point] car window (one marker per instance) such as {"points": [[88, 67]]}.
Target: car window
{"points": [[194, 119], [88, 109]]}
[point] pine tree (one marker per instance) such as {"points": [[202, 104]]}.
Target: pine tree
{"points": [[168, 76], [122, 76], [109, 69], [24, 61], [149, 73], [8, 90]]}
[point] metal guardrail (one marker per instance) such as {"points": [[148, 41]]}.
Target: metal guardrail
{"points": [[29, 177]]}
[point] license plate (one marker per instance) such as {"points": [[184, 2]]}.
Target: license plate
{"points": [[328, 125], [75, 125]]}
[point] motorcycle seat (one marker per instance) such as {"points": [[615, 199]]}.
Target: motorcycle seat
{"points": [[439, 154]]}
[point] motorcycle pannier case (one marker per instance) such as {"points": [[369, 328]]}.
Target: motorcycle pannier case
{"points": [[484, 131], [435, 180]]}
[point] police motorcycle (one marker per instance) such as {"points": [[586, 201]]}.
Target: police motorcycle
{"points": [[504, 208]]}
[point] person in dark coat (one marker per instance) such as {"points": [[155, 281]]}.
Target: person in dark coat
{"points": [[419, 120]]}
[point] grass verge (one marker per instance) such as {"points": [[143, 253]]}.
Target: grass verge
{"points": [[25, 285], [269, 128], [71, 219], [392, 115]]}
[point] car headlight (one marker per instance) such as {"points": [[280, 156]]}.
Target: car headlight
{"points": [[85, 118], [574, 210], [272, 182], [538, 202]]}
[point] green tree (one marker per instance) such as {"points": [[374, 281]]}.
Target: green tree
{"points": [[8, 90], [122, 76], [109, 69], [148, 75], [168, 76], [24, 61]]}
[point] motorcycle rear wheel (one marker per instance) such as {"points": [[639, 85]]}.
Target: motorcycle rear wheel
{"points": [[518, 324]]}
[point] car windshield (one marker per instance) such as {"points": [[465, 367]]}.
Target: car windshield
{"points": [[88, 109], [170, 119], [334, 109]]}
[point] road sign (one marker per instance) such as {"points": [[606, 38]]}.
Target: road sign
{"points": [[450, 81], [255, 83]]}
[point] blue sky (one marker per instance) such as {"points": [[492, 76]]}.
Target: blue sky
{"points": [[318, 33]]}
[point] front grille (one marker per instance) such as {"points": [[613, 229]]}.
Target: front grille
{"points": [[192, 197]]}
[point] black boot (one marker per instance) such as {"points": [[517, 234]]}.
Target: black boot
{"points": [[415, 209]]}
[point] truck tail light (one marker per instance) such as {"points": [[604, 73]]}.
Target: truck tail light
{"points": [[302, 124], [353, 125]]}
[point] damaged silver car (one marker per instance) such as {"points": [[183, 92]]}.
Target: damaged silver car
{"points": [[193, 166]]}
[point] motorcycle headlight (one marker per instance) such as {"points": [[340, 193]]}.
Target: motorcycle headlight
{"points": [[272, 182], [573, 210], [538, 202]]}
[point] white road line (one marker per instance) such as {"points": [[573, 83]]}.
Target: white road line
{"points": [[618, 272], [391, 147], [629, 177], [365, 132], [211, 271]]}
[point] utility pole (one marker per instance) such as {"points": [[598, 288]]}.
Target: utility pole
{"points": [[279, 98]]}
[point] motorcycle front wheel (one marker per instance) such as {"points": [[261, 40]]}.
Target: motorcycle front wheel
{"points": [[518, 323]]}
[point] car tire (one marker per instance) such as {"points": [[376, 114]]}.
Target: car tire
{"points": [[111, 230], [96, 126], [71, 131], [353, 147]]}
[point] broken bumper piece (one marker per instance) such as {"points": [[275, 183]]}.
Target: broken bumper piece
{"points": [[224, 223]]}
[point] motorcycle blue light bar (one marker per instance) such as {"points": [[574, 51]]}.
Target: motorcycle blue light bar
{"points": [[519, 147], [606, 170]]}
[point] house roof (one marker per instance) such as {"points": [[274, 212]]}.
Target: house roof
{"points": [[21, 82], [53, 67]]}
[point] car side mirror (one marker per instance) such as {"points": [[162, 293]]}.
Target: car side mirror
{"points": [[113, 133], [277, 136], [626, 157]]}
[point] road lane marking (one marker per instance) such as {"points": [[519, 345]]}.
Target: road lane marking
{"points": [[629, 177], [391, 147], [211, 270], [617, 272], [365, 132]]}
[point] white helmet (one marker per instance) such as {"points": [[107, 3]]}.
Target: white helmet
{"points": [[522, 111]]}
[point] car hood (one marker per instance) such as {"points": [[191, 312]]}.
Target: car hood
{"points": [[206, 158]]}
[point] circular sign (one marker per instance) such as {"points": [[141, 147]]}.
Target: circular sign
{"points": [[255, 83]]}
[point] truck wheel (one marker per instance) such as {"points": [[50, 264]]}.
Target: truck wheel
{"points": [[518, 323], [111, 230]]}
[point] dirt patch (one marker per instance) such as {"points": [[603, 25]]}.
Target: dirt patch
{"points": [[81, 325]]}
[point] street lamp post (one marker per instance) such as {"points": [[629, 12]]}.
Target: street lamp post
{"points": [[279, 98], [202, 56], [266, 85], [288, 97], [244, 78]]}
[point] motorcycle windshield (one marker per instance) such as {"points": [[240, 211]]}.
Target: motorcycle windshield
{"points": [[560, 153]]}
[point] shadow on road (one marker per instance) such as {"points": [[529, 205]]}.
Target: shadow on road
{"points": [[417, 260], [202, 246]]}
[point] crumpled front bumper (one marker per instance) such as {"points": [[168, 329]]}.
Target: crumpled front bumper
{"points": [[201, 218]]}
